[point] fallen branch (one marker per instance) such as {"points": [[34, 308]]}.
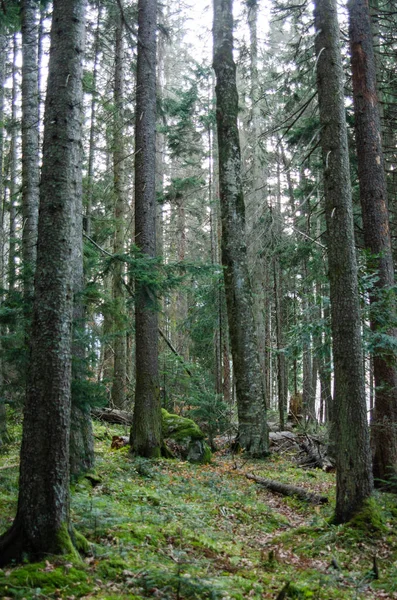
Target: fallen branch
{"points": [[315, 459], [110, 415], [288, 490]]}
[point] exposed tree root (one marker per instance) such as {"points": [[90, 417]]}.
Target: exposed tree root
{"points": [[12, 544]]}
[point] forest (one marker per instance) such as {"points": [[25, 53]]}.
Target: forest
{"points": [[198, 333]]}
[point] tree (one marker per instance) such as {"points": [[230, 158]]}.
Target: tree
{"points": [[146, 429], [119, 382], [42, 523], [3, 47], [351, 437], [30, 143], [373, 197], [252, 433]]}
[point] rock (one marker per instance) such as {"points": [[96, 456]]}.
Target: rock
{"points": [[184, 439]]}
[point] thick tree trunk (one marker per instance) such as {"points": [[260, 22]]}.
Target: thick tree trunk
{"points": [[252, 434], [42, 524], [373, 196], [30, 143], [353, 458], [146, 430]]}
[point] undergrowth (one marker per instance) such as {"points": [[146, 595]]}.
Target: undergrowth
{"points": [[172, 530]]}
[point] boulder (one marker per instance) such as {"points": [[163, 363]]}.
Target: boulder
{"points": [[184, 439]]}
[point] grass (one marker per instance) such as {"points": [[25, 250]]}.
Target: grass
{"points": [[172, 530]]}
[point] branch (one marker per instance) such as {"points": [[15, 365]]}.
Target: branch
{"points": [[288, 490]]}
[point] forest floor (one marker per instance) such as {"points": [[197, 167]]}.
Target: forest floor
{"points": [[170, 530]]}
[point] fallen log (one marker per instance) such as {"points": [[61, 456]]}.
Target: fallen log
{"points": [[288, 490], [112, 415]]}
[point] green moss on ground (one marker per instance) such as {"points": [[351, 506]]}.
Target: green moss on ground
{"points": [[170, 529], [45, 579]]}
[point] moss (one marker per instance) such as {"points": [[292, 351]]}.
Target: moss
{"points": [[207, 454], [48, 578], [179, 428], [301, 592], [81, 543], [111, 569], [93, 478], [369, 518], [64, 543]]}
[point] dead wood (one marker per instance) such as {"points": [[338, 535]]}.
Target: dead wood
{"points": [[314, 457], [288, 490], [110, 415]]}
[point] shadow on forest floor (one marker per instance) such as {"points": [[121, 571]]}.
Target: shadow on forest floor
{"points": [[171, 530]]}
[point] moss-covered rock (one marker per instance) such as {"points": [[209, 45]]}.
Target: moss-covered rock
{"points": [[184, 439]]}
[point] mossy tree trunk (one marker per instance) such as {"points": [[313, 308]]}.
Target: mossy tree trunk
{"points": [[146, 429], [42, 523], [353, 459], [252, 433], [377, 238]]}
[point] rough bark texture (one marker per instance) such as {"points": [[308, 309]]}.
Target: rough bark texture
{"points": [[42, 524], [373, 196], [119, 382], [353, 459], [146, 430], [81, 433], [3, 47], [252, 434], [30, 142], [13, 172]]}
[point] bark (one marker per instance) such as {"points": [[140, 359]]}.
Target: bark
{"points": [[3, 47], [30, 143], [252, 434], [119, 383], [93, 109], [282, 386], [288, 490], [146, 430], [377, 239], [353, 460], [13, 173], [81, 434], [255, 204], [42, 524]]}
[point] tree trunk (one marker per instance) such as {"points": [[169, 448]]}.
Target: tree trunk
{"points": [[93, 109], [119, 383], [3, 55], [353, 459], [252, 434], [81, 433], [42, 524], [30, 144], [13, 173], [146, 429], [373, 197]]}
